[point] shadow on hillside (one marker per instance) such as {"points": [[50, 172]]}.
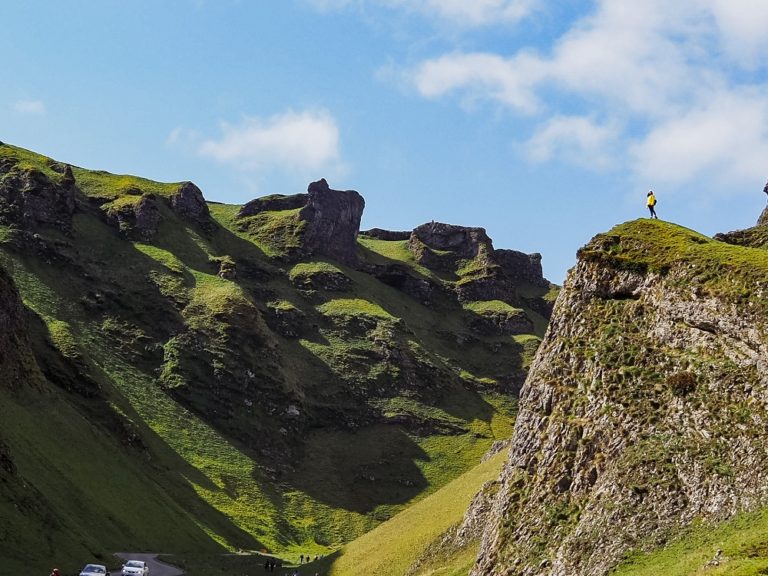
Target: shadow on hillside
{"points": [[374, 466], [138, 451]]}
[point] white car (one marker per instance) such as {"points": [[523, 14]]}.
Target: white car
{"points": [[135, 568], [94, 570]]}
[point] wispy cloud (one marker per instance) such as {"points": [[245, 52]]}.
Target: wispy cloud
{"points": [[306, 141], [464, 13], [579, 139], [32, 107], [674, 82]]}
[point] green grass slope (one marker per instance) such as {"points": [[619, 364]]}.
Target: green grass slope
{"points": [[735, 548], [392, 547]]}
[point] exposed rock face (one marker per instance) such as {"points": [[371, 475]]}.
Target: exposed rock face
{"points": [[381, 234], [333, 281], [275, 202], [188, 202], [439, 246], [327, 224], [398, 276], [644, 409], [521, 268], [333, 218], [30, 199], [288, 321], [492, 323], [138, 220]]}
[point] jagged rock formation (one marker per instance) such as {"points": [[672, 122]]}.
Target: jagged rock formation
{"points": [[137, 220], [333, 219], [483, 273], [644, 409], [29, 198], [326, 222], [188, 202]]}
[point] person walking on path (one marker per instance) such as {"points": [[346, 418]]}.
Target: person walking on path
{"points": [[651, 202]]}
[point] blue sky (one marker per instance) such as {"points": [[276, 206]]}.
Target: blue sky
{"points": [[544, 122]]}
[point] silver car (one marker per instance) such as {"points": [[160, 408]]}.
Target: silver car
{"points": [[135, 568], [94, 570]]}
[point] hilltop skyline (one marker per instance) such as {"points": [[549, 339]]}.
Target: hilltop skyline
{"points": [[543, 124]]}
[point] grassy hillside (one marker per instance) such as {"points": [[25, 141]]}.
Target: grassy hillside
{"points": [[392, 547], [193, 372], [735, 548]]}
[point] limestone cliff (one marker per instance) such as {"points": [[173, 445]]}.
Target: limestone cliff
{"points": [[645, 408]]}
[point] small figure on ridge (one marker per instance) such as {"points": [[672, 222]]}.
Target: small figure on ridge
{"points": [[651, 202]]}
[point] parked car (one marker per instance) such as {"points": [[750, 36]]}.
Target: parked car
{"points": [[94, 570], [135, 568]]}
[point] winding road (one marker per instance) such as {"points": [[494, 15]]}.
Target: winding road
{"points": [[156, 568]]}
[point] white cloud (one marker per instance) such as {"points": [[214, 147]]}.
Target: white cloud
{"points": [[305, 141], [579, 139], [743, 25], [509, 81], [723, 140], [33, 107], [675, 84], [475, 12]]}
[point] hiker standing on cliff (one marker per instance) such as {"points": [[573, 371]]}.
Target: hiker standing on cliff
{"points": [[651, 202]]}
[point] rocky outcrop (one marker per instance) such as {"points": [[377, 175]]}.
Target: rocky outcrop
{"points": [[327, 223], [330, 280], [520, 268], [29, 198], [137, 218], [286, 319], [273, 203], [389, 235], [188, 202], [643, 410], [502, 322], [333, 219], [399, 276], [462, 241]]}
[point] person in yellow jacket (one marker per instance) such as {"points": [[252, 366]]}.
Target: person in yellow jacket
{"points": [[651, 202]]}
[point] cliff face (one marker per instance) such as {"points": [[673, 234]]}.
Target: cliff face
{"points": [[644, 409]]}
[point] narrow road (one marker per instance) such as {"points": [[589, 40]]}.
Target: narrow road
{"points": [[156, 568]]}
